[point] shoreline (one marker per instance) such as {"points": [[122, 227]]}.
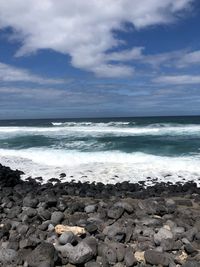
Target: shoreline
{"points": [[123, 224]]}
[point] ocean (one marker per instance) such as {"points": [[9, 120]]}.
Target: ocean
{"points": [[107, 150]]}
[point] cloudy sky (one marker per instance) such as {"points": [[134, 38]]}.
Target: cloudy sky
{"points": [[97, 58]]}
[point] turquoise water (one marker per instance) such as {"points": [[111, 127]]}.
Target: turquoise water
{"points": [[168, 136], [64, 143]]}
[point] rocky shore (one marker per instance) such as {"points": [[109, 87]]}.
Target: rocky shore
{"points": [[93, 225]]}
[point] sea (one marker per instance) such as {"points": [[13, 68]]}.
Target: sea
{"points": [[107, 150]]}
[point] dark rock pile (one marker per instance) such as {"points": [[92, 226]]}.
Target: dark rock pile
{"points": [[120, 225]]}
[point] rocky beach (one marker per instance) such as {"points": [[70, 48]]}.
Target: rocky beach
{"points": [[92, 224]]}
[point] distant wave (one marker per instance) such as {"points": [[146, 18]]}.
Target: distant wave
{"points": [[101, 130], [102, 124]]}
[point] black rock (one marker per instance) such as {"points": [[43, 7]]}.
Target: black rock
{"points": [[110, 255], [115, 233], [8, 256], [119, 249], [91, 228], [191, 264], [67, 237], [62, 175], [115, 212], [31, 212], [184, 202], [42, 254], [93, 264], [156, 258], [129, 258], [44, 214], [78, 254], [190, 249], [56, 217], [125, 205], [30, 201]]}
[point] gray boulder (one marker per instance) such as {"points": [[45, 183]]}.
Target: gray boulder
{"points": [[42, 254], [30, 201], [163, 233], [90, 208], [67, 237], [125, 205], [129, 258], [7, 256], [191, 264], [56, 217], [115, 212], [114, 233], [156, 258], [79, 254]]}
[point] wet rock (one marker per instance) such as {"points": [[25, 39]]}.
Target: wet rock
{"points": [[62, 175]]}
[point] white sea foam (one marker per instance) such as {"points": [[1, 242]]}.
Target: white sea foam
{"points": [[108, 166], [97, 130], [100, 124], [101, 166]]}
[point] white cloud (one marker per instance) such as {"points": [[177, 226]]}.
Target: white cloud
{"points": [[126, 55], [84, 29], [189, 58], [12, 74], [178, 59], [32, 93], [163, 59], [178, 79]]}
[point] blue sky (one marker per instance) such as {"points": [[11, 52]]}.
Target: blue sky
{"points": [[72, 58]]}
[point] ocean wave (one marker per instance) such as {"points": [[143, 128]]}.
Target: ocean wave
{"points": [[104, 165], [101, 131], [58, 157], [99, 124]]}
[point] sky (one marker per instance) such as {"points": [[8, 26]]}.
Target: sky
{"points": [[99, 58]]}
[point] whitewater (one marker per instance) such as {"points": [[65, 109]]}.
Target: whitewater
{"points": [[104, 150]]}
